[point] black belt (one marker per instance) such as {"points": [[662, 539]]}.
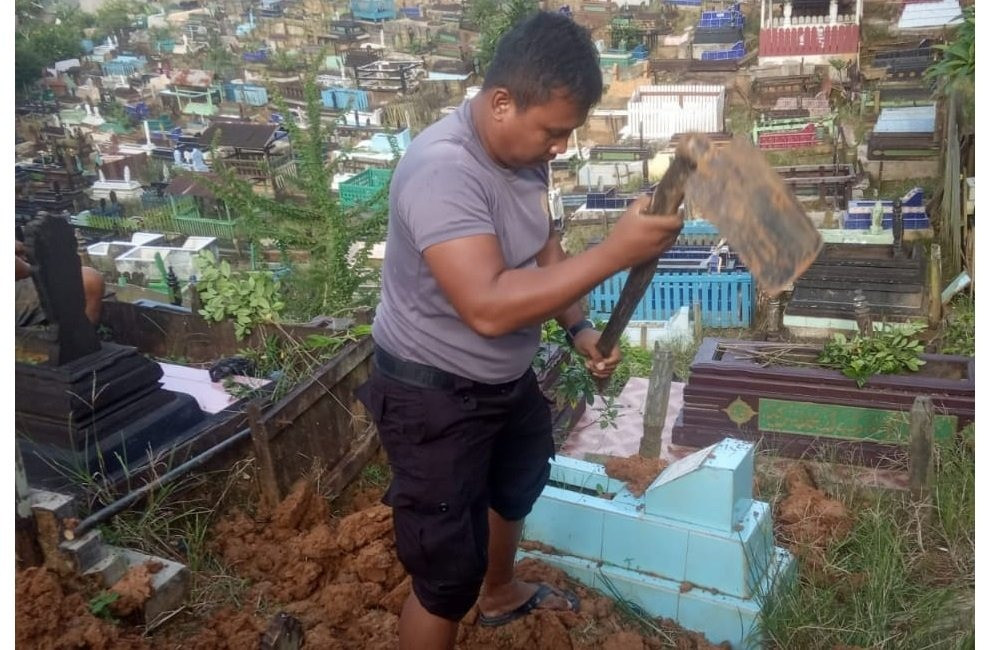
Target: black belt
{"points": [[423, 376]]}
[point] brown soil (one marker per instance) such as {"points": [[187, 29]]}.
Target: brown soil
{"points": [[134, 588], [339, 578], [809, 520], [637, 472], [52, 615], [342, 581]]}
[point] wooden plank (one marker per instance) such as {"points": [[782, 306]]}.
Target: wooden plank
{"points": [[921, 448], [297, 402], [362, 450], [271, 495], [657, 402]]}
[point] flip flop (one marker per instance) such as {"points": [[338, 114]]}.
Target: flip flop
{"points": [[528, 606]]}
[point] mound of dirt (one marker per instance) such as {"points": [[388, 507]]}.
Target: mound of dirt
{"points": [[809, 519], [342, 581], [134, 588], [229, 630], [637, 472], [50, 615]]}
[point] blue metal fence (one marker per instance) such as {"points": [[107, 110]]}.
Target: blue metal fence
{"points": [[346, 99], [373, 9], [726, 299], [249, 94]]}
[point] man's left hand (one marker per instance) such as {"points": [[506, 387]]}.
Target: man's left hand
{"points": [[586, 344]]}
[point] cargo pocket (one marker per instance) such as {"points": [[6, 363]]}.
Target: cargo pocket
{"points": [[440, 540]]}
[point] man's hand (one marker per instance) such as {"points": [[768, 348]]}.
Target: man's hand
{"points": [[637, 237], [600, 367], [22, 266]]}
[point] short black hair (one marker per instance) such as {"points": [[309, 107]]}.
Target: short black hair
{"points": [[546, 52]]}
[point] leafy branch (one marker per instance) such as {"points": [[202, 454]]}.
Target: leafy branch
{"points": [[888, 352]]}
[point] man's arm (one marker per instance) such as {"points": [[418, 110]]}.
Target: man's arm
{"points": [[494, 300], [553, 253]]}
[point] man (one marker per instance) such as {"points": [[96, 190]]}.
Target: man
{"points": [[472, 271]]}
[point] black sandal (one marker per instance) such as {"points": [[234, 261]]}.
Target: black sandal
{"points": [[528, 606]]}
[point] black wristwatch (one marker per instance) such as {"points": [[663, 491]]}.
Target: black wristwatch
{"points": [[572, 331]]}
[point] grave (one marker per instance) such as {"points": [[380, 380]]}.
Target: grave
{"points": [[142, 259], [125, 189], [695, 547], [102, 254], [894, 283], [82, 406], [798, 410]]}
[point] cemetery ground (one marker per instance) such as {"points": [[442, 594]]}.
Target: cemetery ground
{"points": [[876, 569]]}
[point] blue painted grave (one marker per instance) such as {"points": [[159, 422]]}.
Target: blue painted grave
{"points": [[695, 547]]}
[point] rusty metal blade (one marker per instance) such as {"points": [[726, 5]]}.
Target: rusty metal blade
{"points": [[755, 211]]}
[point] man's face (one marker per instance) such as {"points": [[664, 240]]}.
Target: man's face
{"points": [[539, 133]]}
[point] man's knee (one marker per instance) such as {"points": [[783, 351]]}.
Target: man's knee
{"points": [[449, 600], [444, 549]]}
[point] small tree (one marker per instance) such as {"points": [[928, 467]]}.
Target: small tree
{"points": [[219, 58], [312, 221], [495, 19], [114, 16]]}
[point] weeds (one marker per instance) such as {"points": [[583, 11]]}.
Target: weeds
{"points": [[903, 578], [99, 605], [957, 334]]}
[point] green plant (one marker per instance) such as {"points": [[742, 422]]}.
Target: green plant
{"points": [[958, 330], [887, 352], [249, 298], [957, 64], [903, 578], [99, 605], [495, 19], [305, 214]]}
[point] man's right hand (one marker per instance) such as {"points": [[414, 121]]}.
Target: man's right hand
{"points": [[638, 237]]}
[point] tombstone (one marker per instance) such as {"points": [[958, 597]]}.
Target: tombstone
{"points": [[177, 156], [877, 218], [198, 164], [165, 176], [126, 176], [80, 403], [57, 274], [897, 228]]}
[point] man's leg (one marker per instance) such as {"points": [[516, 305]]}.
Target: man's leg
{"points": [[420, 630], [501, 592], [438, 447], [519, 471]]}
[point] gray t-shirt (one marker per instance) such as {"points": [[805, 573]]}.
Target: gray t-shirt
{"points": [[446, 187]]}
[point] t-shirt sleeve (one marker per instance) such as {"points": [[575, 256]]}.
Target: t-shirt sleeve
{"points": [[444, 202]]}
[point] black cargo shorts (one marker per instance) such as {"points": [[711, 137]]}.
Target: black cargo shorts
{"points": [[454, 452]]}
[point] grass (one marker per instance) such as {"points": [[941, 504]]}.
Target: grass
{"points": [[903, 578], [957, 332]]}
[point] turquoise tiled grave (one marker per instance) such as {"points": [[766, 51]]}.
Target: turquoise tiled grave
{"points": [[695, 547]]}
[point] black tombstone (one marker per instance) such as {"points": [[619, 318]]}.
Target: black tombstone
{"points": [[84, 407]]}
